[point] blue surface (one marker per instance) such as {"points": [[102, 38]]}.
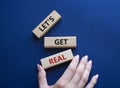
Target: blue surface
{"points": [[96, 23]]}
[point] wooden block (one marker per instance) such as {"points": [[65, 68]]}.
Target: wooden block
{"points": [[60, 42], [57, 59], [46, 24]]}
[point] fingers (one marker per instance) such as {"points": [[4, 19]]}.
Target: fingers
{"points": [[42, 77], [80, 70], [92, 82], [68, 74], [85, 76], [75, 76]]}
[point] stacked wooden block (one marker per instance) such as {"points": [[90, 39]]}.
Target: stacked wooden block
{"points": [[55, 42]]}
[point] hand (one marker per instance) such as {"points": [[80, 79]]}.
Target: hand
{"points": [[75, 76]]}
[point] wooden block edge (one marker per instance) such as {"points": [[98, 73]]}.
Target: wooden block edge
{"points": [[61, 46], [35, 29], [61, 62]]}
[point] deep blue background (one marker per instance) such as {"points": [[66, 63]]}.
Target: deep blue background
{"points": [[96, 23]]}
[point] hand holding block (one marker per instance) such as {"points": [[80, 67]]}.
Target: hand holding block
{"points": [[60, 42], [46, 24], [57, 59]]}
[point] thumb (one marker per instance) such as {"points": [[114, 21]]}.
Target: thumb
{"points": [[42, 81]]}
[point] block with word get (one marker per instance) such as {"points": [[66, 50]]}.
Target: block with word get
{"points": [[60, 42], [47, 24], [57, 59]]}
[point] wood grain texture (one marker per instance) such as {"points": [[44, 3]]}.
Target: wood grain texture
{"points": [[47, 24], [57, 59], [60, 42]]}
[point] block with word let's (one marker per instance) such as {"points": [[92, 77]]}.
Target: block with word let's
{"points": [[57, 59], [46, 24], [60, 42]]}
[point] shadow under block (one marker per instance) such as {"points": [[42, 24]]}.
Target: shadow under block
{"points": [[47, 24], [57, 59], [60, 42]]}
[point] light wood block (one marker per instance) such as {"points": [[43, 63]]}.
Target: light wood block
{"points": [[47, 24], [60, 42], [57, 59]]}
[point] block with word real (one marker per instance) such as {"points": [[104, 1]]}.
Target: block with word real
{"points": [[57, 59], [47, 24], [60, 42]]}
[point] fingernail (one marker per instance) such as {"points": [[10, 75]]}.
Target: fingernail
{"points": [[90, 62], [96, 76], [38, 66], [86, 57], [77, 56]]}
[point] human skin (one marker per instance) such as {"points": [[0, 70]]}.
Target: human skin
{"points": [[75, 76]]}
